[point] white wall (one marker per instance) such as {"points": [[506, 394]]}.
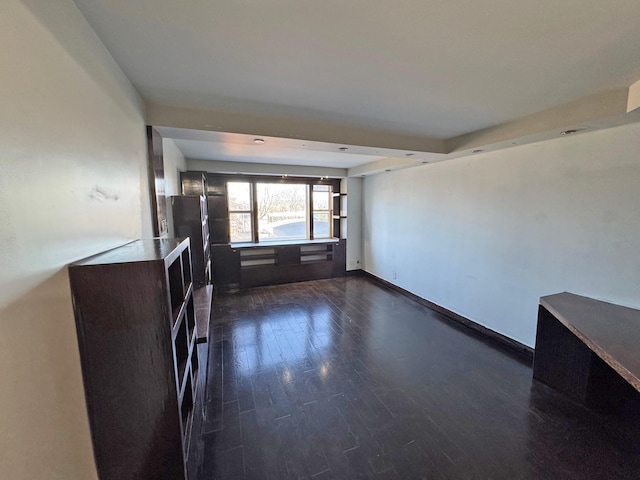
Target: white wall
{"points": [[486, 236], [174, 163], [72, 182]]}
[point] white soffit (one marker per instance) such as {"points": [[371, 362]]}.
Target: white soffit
{"points": [[417, 77]]}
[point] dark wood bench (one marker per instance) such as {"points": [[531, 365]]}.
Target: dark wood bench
{"points": [[589, 350]]}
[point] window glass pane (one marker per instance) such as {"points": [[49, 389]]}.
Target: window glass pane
{"points": [[240, 227], [321, 225], [320, 200], [282, 211], [239, 196]]}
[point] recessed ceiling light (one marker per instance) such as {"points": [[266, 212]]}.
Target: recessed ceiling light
{"points": [[343, 149], [388, 170], [258, 141], [568, 132], [477, 150], [424, 162], [408, 154]]}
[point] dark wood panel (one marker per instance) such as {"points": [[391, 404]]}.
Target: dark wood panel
{"points": [[155, 167], [274, 275], [287, 255], [225, 266], [561, 360], [164, 249], [584, 350], [193, 183], [188, 222], [124, 320], [218, 206], [340, 258], [611, 331]]}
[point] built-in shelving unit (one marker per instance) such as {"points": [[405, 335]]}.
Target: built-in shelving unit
{"points": [[263, 264], [339, 214], [135, 320], [191, 219]]}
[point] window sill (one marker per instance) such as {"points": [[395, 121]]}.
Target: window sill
{"points": [[283, 243]]}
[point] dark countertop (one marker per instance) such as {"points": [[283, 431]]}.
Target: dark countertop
{"points": [[137, 251], [611, 331]]}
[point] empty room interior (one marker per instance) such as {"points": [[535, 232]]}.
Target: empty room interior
{"points": [[273, 240]]}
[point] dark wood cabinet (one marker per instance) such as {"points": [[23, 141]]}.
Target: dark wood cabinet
{"points": [[225, 265], [135, 320], [191, 219], [265, 264]]}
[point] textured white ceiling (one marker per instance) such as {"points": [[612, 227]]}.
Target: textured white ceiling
{"points": [[431, 68]]}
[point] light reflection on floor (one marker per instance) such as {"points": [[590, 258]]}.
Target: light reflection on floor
{"points": [[283, 338]]}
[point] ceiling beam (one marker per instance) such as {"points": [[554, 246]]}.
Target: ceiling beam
{"points": [[217, 166], [221, 121]]}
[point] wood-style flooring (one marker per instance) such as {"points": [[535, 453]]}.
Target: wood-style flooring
{"points": [[344, 379]]}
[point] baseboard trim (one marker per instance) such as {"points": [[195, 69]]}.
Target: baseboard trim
{"points": [[497, 338]]}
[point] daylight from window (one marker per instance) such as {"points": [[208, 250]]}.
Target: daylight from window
{"points": [[321, 211], [269, 212], [282, 211], [239, 194]]}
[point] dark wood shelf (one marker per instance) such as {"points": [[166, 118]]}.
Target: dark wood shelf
{"points": [[131, 306], [190, 219]]}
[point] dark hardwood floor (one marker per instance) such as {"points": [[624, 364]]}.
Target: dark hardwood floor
{"points": [[344, 379]]}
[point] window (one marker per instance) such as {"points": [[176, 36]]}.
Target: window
{"points": [[282, 211], [269, 211], [321, 211], [240, 212]]}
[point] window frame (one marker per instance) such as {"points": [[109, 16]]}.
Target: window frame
{"points": [[249, 211], [328, 212], [253, 180]]}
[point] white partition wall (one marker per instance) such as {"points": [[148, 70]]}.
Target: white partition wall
{"points": [[485, 236]]}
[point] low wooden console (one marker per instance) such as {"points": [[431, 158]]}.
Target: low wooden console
{"points": [[588, 350], [247, 265]]}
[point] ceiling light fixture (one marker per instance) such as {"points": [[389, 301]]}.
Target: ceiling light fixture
{"points": [[424, 162], [258, 141], [388, 170], [568, 132], [477, 150], [408, 154], [343, 149]]}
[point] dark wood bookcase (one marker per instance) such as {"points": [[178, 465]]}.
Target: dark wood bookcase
{"points": [[191, 219], [135, 320]]}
